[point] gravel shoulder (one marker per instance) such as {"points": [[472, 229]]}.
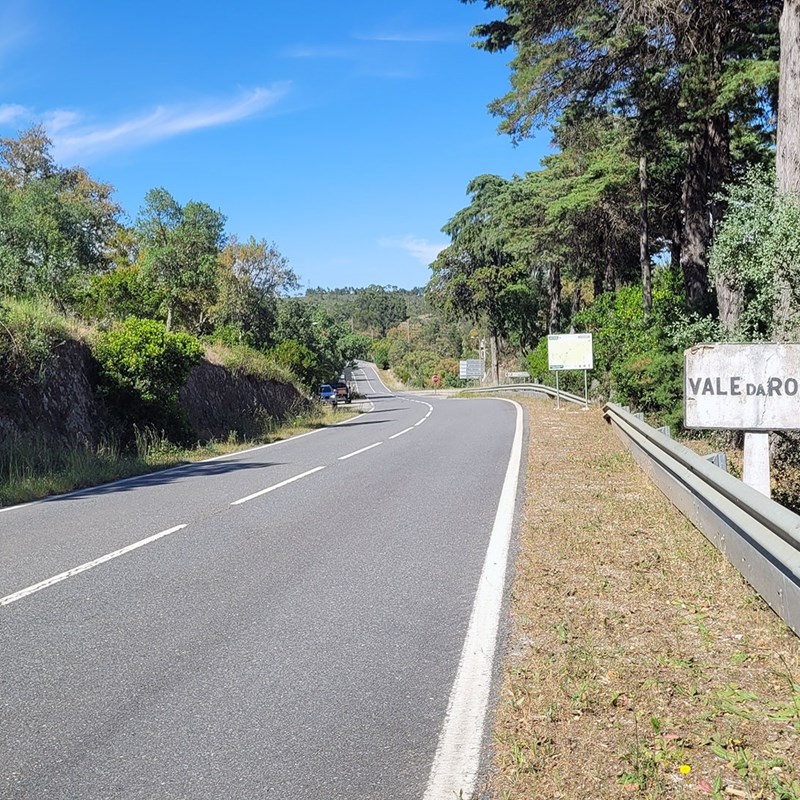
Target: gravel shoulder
{"points": [[639, 662]]}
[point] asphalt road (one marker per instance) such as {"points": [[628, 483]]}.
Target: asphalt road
{"points": [[286, 622]]}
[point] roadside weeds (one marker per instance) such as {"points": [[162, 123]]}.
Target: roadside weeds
{"points": [[30, 470], [640, 664]]}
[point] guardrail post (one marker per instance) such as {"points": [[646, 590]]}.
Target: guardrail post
{"points": [[718, 460], [755, 470]]}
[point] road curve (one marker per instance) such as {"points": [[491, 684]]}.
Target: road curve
{"points": [[286, 622]]}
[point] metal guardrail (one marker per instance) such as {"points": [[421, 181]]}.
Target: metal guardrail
{"points": [[758, 536], [534, 388]]}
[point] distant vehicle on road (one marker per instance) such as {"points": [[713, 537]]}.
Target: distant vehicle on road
{"points": [[343, 392], [327, 394]]}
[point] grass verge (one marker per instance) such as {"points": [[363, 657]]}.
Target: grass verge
{"points": [[31, 469], [640, 663]]}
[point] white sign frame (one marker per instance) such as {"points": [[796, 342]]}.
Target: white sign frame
{"points": [[470, 369], [750, 387], [570, 351]]}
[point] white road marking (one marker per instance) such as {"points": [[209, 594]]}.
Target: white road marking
{"points": [[276, 486], [402, 432], [4, 601], [362, 450], [417, 424], [455, 765], [182, 467]]}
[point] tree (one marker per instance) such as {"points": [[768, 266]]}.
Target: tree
{"points": [[377, 309], [710, 64], [309, 330], [788, 142], [179, 246], [27, 157], [56, 224], [478, 273], [251, 276]]}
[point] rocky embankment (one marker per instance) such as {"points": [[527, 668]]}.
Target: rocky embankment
{"points": [[62, 405]]}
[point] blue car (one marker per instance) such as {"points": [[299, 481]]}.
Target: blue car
{"points": [[327, 394]]}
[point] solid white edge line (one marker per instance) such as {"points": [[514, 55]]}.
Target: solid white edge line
{"points": [[402, 432], [455, 765], [276, 486], [357, 452], [4, 601], [416, 424]]}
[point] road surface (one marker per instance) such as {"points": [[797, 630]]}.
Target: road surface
{"points": [[286, 622]]}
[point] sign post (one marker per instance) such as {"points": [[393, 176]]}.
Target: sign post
{"points": [[571, 351], [749, 387], [435, 383]]}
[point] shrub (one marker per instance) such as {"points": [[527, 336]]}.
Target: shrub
{"points": [[638, 359], [300, 360], [142, 369], [380, 353]]}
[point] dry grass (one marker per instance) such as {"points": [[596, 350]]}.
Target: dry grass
{"points": [[640, 663]]}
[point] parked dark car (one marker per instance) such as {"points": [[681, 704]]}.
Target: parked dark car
{"points": [[343, 392]]}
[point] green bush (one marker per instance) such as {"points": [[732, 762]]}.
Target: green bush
{"points": [[300, 360], [142, 369], [354, 346], [638, 359], [29, 330], [380, 353]]}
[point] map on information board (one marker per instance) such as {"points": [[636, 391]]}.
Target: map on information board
{"points": [[570, 351]]}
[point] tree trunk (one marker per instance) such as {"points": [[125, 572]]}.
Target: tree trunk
{"points": [[610, 274], [696, 232], [494, 351], [169, 318], [675, 246], [597, 278], [576, 300], [708, 167], [644, 238], [787, 156], [730, 301], [554, 287]]}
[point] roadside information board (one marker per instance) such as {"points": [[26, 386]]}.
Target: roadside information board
{"points": [[752, 387], [470, 369], [570, 351]]}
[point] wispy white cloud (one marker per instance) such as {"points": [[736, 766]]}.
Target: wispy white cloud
{"points": [[15, 27], [422, 250], [10, 113], [319, 51], [409, 36], [55, 121], [72, 139]]}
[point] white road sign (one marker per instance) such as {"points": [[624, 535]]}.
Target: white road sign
{"points": [[470, 369], [570, 351], [754, 387]]}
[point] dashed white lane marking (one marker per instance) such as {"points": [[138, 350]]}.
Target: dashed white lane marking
{"points": [[455, 765], [402, 432], [276, 486], [4, 601], [362, 450]]}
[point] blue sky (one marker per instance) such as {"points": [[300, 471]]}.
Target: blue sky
{"points": [[344, 132]]}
